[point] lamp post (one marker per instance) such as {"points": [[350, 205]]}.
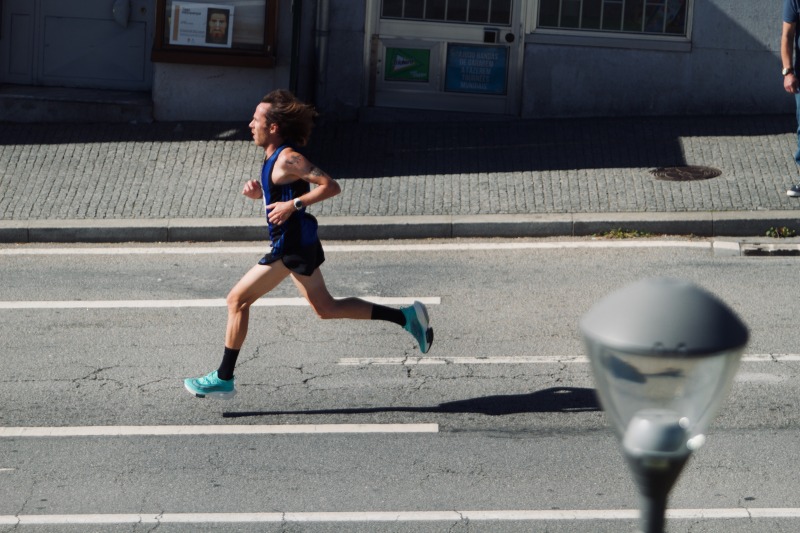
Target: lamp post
{"points": [[664, 353]]}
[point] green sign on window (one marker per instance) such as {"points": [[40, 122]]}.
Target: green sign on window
{"points": [[407, 64]]}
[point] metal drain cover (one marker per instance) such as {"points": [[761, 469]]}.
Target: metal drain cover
{"points": [[690, 173], [771, 249]]}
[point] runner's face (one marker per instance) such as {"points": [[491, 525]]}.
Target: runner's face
{"points": [[259, 127]]}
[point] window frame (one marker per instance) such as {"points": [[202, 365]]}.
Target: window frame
{"points": [[265, 57], [447, 20], [610, 39]]}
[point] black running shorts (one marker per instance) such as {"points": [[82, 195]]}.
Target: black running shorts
{"points": [[303, 261]]}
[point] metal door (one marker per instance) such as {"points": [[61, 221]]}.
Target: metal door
{"points": [[102, 44], [454, 55]]}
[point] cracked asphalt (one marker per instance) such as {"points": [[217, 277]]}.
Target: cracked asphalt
{"points": [[512, 436]]}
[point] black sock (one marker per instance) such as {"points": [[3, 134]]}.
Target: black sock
{"points": [[381, 312], [225, 370]]}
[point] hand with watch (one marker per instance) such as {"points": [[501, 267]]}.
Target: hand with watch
{"points": [[790, 80], [280, 212]]}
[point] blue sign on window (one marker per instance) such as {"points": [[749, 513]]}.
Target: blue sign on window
{"points": [[476, 69]]}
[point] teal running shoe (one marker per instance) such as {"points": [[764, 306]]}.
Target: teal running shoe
{"points": [[211, 385], [417, 324]]}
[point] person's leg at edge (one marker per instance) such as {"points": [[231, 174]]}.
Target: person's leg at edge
{"points": [[797, 118], [794, 191], [413, 319], [257, 282]]}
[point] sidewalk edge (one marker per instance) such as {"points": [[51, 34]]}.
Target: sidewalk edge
{"points": [[701, 224]]}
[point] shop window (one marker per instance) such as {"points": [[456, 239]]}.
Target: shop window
{"points": [[648, 17], [457, 11], [216, 32]]}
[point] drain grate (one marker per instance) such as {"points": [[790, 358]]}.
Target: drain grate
{"points": [[690, 173], [772, 250]]}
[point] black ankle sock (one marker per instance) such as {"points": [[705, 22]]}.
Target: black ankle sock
{"points": [[225, 370], [381, 312]]}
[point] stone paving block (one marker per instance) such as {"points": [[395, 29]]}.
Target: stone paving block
{"points": [[400, 173], [97, 231], [217, 229], [369, 228], [699, 224], [512, 226], [13, 232]]}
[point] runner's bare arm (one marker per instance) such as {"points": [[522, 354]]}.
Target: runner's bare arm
{"points": [[291, 168]]}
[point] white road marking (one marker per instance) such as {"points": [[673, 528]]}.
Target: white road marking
{"points": [[523, 360], [127, 431], [480, 246], [362, 248], [411, 361], [758, 377], [744, 513], [726, 246], [135, 250], [216, 302]]}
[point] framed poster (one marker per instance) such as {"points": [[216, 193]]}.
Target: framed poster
{"points": [[201, 25], [476, 69], [216, 32]]}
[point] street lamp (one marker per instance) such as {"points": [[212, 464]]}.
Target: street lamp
{"points": [[664, 353]]}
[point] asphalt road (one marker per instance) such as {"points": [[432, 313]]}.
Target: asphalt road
{"points": [[500, 417]]}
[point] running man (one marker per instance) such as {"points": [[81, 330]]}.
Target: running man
{"points": [[280, 123]]}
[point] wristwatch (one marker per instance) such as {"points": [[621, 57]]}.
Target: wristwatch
{"points": [[298, 204], [787, 70]]}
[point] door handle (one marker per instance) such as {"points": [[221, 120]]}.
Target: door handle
{"points": [[121, 11]]}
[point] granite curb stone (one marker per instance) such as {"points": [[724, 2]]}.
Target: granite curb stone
{"points": [[701, 224]]}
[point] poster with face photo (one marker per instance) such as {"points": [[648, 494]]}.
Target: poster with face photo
{"points": [[193, 24]]}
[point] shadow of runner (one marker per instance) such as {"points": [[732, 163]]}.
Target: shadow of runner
{"points": [[552, 400]]}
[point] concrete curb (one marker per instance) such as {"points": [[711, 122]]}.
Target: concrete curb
{"points": [[701, 224]]}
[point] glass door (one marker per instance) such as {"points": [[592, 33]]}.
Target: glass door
{"points": [[451, 55]]}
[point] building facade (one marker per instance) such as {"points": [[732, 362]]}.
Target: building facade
{"points": [[517, 58]]}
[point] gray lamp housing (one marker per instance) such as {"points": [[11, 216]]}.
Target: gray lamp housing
{"points": [[661, 315], [663, 344], [664, 353]]}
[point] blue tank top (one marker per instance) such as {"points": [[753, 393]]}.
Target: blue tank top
{"points": [[301, 228]]}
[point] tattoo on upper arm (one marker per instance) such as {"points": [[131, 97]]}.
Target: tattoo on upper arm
{"points": [[299, 162]]}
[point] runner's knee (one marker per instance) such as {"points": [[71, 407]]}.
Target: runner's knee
{"points": [[325, 309], [236, 302]]}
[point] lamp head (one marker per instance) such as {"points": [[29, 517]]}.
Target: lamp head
{"points": [[664, 353]]}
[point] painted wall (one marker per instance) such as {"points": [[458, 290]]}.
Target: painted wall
{"points": [[733, 67], [340, 83]]}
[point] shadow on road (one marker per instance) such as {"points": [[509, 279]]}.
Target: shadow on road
{"points": [[552, 400]]}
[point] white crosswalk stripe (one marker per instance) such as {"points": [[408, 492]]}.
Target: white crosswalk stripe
{"points": [[453, 516], [214, 302], [524, 360]]}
